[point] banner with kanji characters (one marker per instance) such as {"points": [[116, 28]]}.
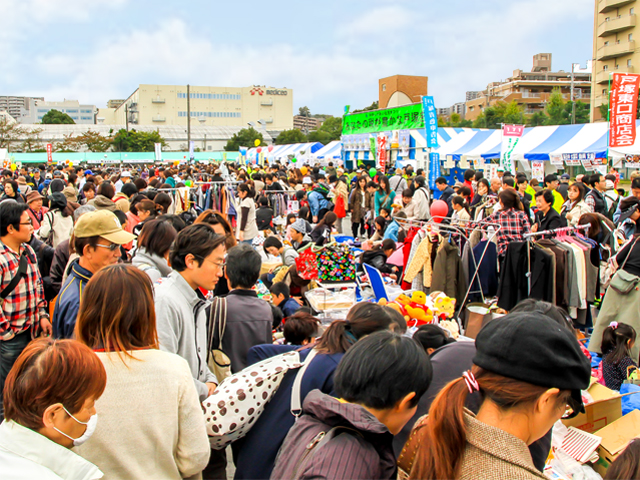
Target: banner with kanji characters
{"points": [[430, 121], [406, 117], [381, 152], [510, 137], [623, 104]]}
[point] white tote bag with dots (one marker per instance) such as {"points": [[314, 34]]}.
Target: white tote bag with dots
{"points": [[241, 398]]}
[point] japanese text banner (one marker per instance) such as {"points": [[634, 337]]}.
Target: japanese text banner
{"points": [[407, 117], [624, 102]]}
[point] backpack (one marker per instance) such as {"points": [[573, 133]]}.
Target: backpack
{"points": [[613, 208]]}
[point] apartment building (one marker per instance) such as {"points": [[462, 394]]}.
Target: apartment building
{"points": [[614, 47], [533, 89], [37, 108], [401, 90], [16, 105], [306, 124]]}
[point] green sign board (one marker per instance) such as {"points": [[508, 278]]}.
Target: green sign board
{"points": [[407, 117]]}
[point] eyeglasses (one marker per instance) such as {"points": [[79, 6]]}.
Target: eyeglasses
{"points": [[220, 265], [573, 409], [113, 247], [30, 222]]}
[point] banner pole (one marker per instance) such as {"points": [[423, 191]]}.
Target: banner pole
{"points": [[608, 118]]}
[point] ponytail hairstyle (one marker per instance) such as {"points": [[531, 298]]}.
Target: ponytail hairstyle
{"points": [[163, 202], [363, 318], [246, 187], [329, 219], [510, 199], [616, 341], [443, 440], [458, 200]]}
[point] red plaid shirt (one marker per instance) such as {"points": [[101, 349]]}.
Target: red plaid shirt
{"points": [[514, 224], [25, 304]]}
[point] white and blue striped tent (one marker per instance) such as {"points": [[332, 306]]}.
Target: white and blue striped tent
{"points": [[332, 150], [536, 143], [281, 152]]}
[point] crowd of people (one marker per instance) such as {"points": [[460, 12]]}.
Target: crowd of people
{"points": [[115, 304]]}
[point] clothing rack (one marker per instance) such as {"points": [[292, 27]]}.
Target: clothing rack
{"points": [[529, 237], [490, 230]]}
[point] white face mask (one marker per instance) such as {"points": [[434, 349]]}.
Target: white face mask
{"points": [[91, 427]]}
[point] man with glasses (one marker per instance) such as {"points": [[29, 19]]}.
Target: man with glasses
{"points": [[96, 238], [197, 259], [22, 303]]}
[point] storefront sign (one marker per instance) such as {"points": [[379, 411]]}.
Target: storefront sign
{"points": [[537, 170], [634, 165], [49, 153], [588, 166], [405, 140], [430, 121], [277, 92], [510, 137], [406, 117], [381, 152], [556, 160], [624, 101]]}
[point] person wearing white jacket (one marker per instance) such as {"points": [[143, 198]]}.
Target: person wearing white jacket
{"points": [[575, 206], [57, 224]]}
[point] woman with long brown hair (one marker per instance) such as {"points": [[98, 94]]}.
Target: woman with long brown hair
{"points": [[528, 373], [151, 423]]}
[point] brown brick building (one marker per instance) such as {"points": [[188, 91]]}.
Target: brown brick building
{"points": [[401, 90]]}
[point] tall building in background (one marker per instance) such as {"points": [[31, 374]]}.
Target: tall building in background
{"points": [[15, 106], [208, 106], [532, 90], [401, 90], [614, 47], [81, 114]]}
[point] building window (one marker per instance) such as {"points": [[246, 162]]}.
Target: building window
{"points": [[384, 87], [631, 11], [605, 67], [629, 63]]}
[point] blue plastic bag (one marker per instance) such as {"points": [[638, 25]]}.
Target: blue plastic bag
{"points": [[630, 402]]}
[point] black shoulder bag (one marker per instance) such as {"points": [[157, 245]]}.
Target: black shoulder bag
{"points": [[20, 274]]}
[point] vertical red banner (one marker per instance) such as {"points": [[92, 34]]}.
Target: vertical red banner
{"points": [[49, 153], [623, 104], [381, 152]]}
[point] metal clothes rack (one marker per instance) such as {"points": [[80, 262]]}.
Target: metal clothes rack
{"points": [[490, 230], [529, 236]]}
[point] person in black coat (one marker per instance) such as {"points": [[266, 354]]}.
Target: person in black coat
{"points": [[546, 216], [446, 192], [264, 215]]}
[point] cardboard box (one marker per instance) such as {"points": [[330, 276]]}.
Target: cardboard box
{"points": [[615, 438], [605, 409]]}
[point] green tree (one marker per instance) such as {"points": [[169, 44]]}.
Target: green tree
{"points": [[134, 141], [465, 123], [94, 142], [556, 109], [514, 114], [537, 119], [304, 111], [604, 110], [244, 138], [373, 106], [332, 126], [319, 136], [288, 137], [480, 121], [56, 117], [582, 111], [443, 122]]}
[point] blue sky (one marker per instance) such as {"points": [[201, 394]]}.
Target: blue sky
{"points": [[331, 53]]}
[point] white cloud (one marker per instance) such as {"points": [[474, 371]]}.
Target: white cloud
{"points": [[379, 21]]}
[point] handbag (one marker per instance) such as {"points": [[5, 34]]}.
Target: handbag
{"points": [[623, 282], [339, 209], [408, 454], [307, 265], [336, 263], [477, 316], [240, 399], [218, 361]]}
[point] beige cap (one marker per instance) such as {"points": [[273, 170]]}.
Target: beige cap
{"points": [[102, 223]]}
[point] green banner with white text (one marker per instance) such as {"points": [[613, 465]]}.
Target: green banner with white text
{"points": [[407, 117]]}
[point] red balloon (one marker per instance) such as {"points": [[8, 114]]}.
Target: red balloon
{"points": [[439, 210], [270, 148], [259, 149]]}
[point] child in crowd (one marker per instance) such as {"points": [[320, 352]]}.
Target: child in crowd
{"points": [[300, 328], [349, 435], [280, 297], [291, 218], [460, 211], [617, 341], [264, 215]]}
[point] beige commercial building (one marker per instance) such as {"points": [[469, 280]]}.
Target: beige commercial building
{"points": [[614, 47], [532, 90], [208, 106]]}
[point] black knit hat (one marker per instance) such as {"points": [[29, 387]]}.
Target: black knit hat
{"points": [[532, 348]]}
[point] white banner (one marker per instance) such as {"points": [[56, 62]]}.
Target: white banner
{"points": [[158, 150], [510, 137], [537, 170]]}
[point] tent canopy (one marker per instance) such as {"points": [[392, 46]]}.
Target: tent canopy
{"points": [[330, 150], [536, 143]]}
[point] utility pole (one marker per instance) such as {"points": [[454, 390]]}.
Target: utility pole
{"points": [[573, 100], [188, 119], [126, 115]]}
